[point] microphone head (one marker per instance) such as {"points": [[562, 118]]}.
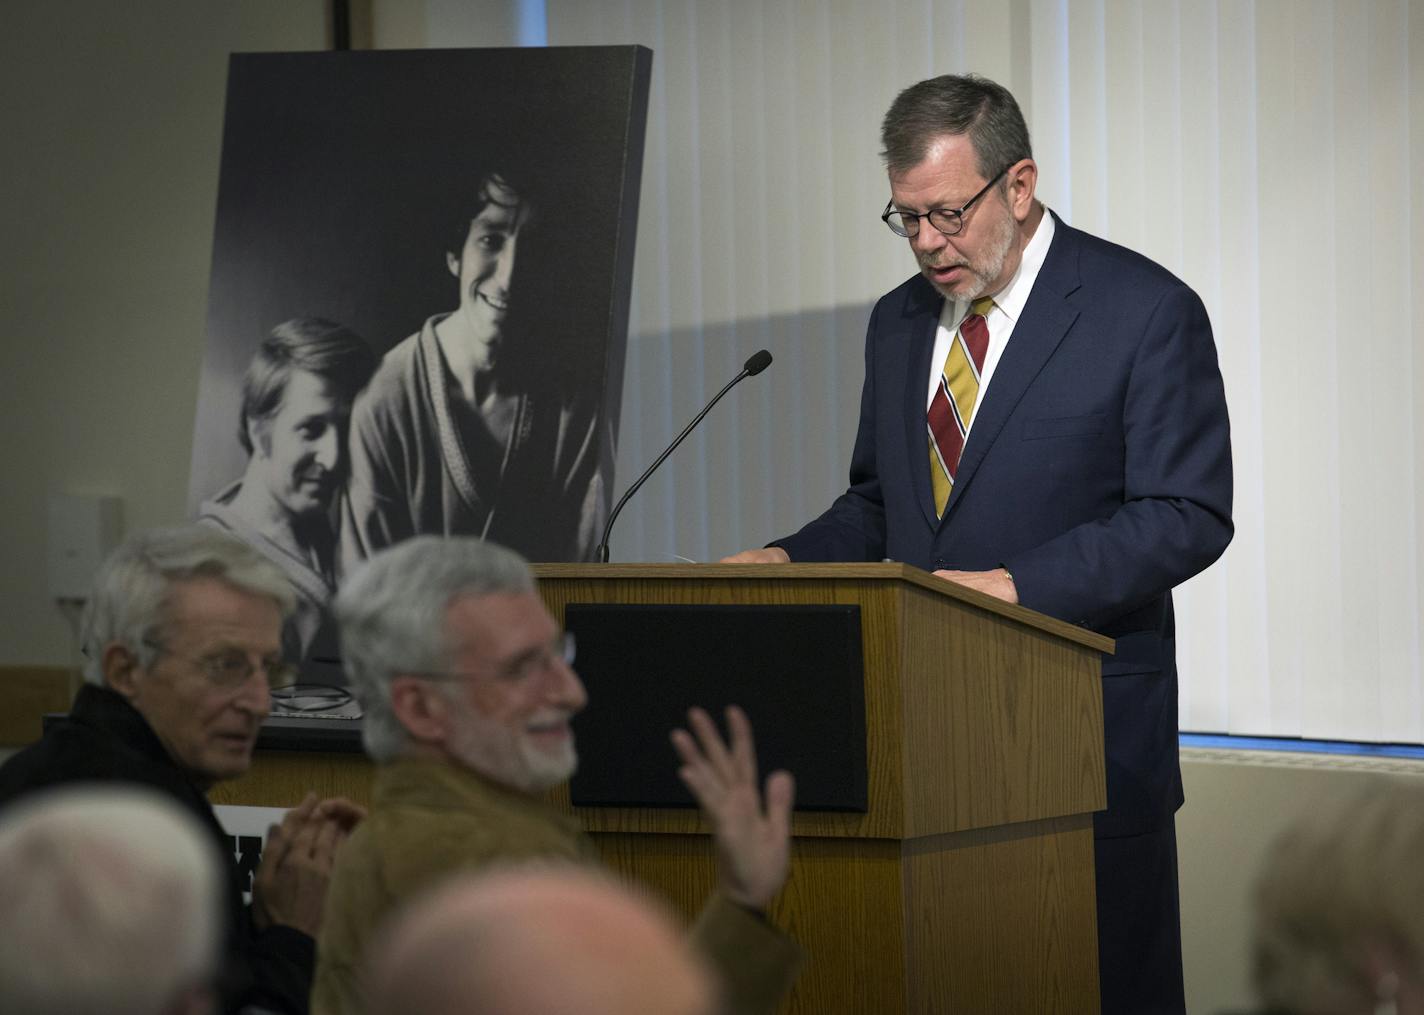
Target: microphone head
{"points": [[758, 362]]}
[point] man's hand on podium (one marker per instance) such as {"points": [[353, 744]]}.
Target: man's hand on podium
{"points": [[997, 583], [766, 555], [753, 835]]}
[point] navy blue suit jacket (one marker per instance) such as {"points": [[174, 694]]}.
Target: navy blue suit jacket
{"points": [[1098, 471]]}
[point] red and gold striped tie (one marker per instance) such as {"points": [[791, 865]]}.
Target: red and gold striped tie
{"points": [[953, 404]]}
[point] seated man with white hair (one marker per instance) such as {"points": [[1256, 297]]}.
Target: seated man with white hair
{"points": [[183, 634], [468, 689], [1339, 907], [109, 902], [555, 939]]}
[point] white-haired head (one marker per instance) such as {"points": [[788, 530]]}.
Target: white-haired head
{"points": [[392, 608], [109, 902], [1339, 905], [131, 590]]}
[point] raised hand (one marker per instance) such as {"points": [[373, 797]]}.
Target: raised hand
{"points": [[752, 833]]}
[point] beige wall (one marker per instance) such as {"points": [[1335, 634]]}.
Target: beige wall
{"points": [[112, 128], [112, 123]]}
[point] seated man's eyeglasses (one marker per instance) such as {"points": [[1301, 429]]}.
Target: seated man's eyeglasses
{"points": [[523, 668], [233, 668], [947, 220]]}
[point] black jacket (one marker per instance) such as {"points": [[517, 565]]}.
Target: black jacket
{"points": [[104, 739]]}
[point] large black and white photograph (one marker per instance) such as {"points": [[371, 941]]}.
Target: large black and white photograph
{"points": [[418, 305]]}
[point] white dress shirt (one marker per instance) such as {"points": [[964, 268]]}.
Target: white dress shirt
{"points": [[1008, 307]]}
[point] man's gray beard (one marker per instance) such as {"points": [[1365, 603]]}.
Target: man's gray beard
{"points": [[496, 752], [996, 254]]}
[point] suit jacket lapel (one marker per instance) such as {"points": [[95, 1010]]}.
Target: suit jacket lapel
{"points": [[922, 316], [1046, 318]]}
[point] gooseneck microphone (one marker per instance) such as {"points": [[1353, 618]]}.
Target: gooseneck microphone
{"points": [[758, 362]]}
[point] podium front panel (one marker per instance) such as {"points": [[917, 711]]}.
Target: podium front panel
{"points": [[795, 670]]}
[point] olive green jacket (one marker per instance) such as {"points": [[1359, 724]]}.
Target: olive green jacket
{"points": [[430, 820]]}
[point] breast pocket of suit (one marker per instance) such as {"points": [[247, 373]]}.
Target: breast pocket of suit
{"points": [[1048, 428]]}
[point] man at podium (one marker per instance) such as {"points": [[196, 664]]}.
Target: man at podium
{"points": [[1043, 420]]}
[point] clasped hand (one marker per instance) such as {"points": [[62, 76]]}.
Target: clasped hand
{"points": [[752, 834], [290, 886]]}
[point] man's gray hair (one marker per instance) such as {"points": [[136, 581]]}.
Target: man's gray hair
{"points": [[954, 104], [391, 612], [1343, 879], [130, 598], [109, 902]]}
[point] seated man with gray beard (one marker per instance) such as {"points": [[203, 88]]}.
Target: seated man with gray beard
{"points": [[468, 690]]}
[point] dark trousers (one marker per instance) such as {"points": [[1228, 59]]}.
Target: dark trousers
{"points": [[1139, 924]]}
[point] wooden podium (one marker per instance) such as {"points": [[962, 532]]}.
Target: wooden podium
{"points": [[967, 883]]}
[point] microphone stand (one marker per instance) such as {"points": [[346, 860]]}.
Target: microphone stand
{"points": [[755, 365]]}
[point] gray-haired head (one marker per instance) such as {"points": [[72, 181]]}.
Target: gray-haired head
{"points": [[954, 104], [391, 612], [109, 902], [537, 938], [130, 596], [1337, 903]]}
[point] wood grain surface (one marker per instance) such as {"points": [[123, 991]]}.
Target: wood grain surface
{"points": [[853, 574], [973, 716], [1003, 919], [27, 694], [282, 778], [842, 904]]}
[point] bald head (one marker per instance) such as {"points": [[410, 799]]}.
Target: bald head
{"points": [[556, 941]]}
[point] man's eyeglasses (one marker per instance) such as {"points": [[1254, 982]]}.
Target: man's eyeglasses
{"points": [[233, 667], [947, 220], [525, 667]]}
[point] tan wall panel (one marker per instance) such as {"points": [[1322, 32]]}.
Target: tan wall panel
{"points": [[26, 694]]}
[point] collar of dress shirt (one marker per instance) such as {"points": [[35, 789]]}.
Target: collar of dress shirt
{"points": [[1011, 299]]}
